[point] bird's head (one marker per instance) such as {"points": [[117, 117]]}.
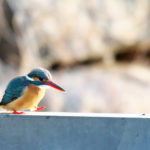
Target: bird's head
{"points": [[42, 77]]}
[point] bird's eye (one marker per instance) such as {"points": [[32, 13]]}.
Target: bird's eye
{"points": [[41, 79]]}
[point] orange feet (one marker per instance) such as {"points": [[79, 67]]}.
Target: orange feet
{"points": [[15, 112], [40, 108]]}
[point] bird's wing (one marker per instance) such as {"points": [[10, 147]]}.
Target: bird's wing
{"points": [[14, 90]]}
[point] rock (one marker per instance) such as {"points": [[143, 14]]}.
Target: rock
{"points": [[66, 32]]}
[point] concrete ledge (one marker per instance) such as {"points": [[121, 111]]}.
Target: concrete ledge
{"points": [[74, 131]]}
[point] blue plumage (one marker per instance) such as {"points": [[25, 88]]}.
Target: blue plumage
{"points": [[15, 89], [40, 73]]}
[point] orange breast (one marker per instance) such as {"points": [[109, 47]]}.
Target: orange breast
{"points": [[30, 99]]}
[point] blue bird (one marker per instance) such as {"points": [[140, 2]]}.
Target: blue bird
{"points": [[25, 92]]}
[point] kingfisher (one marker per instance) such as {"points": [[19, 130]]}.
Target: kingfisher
{"points": [[25, 92]]}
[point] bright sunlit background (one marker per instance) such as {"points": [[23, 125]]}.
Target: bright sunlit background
{"points": [[98, 50]]}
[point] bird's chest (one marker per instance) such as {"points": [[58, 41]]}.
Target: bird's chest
{"points": [[33, 94], [30, 98]]}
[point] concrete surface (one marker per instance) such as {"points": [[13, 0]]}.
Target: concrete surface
{"points": [[74, 131]]}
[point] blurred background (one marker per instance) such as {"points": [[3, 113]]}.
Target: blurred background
{"points": [[98, 50]]}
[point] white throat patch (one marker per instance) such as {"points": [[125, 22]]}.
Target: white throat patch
{"points": [[43, 86]]}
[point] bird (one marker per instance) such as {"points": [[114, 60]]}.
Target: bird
{"points": [[25, 92]]}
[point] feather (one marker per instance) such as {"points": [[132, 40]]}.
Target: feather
{"points": [[14, 90]]}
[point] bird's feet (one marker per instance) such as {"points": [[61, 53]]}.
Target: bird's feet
{"points": [[15, 112], [40, 108]]}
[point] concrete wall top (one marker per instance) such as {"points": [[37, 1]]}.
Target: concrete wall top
{"points": [[74, 131]]}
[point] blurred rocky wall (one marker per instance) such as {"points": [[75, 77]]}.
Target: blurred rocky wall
{"points": [[97, 49]]}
